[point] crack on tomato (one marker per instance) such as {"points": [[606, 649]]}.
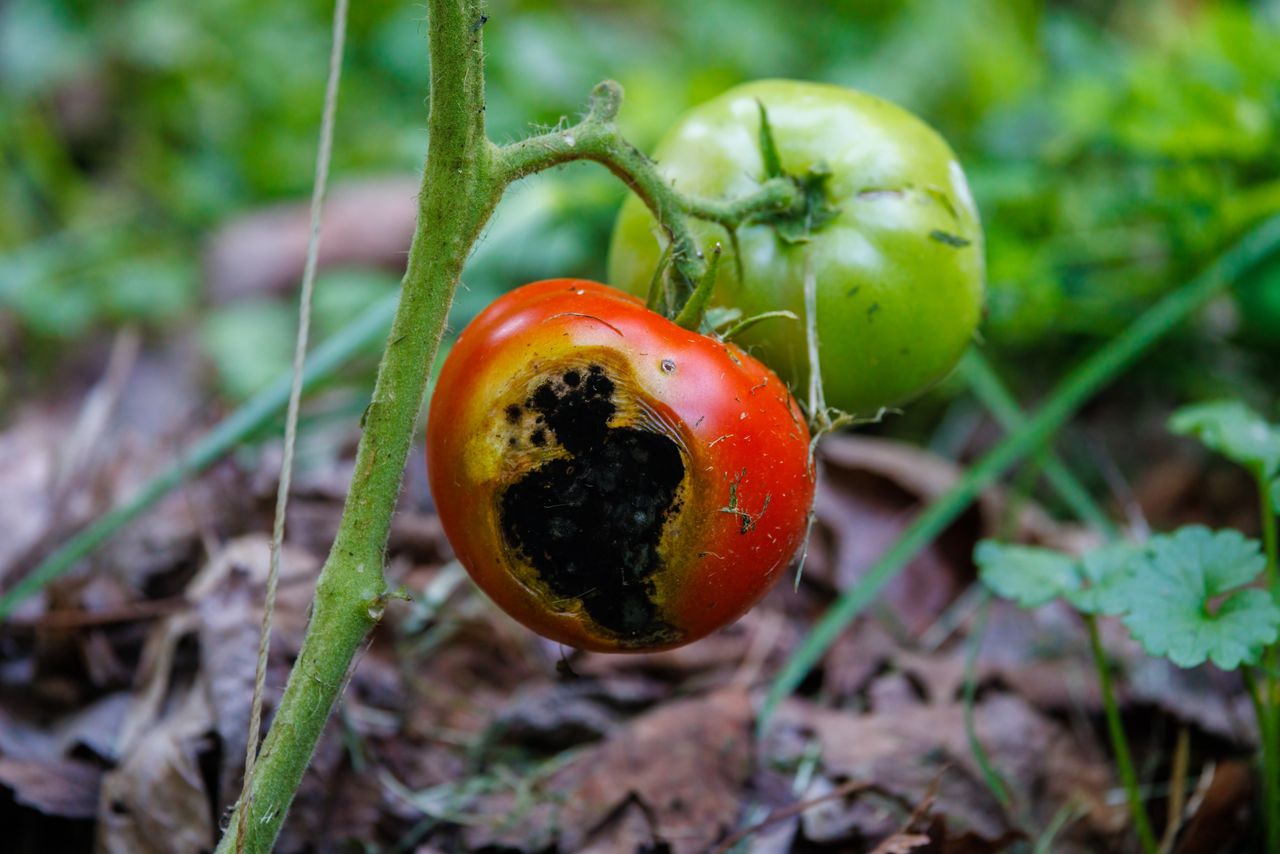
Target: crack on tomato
{"points": [[590, 523]]}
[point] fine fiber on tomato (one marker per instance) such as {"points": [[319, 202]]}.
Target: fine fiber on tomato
{"points": [[895, 255], [611, 480]]}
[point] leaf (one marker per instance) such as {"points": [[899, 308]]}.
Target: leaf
{"points": [[1232, 429], [1275, 494], [768, 147], [1108, 572], [1185, 603], [1029, 576], [1098, 583]]}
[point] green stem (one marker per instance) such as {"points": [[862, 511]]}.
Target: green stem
{"points": [[986, 386], [1268, 709], [1267, 519], [596, 138], [1268, 734], [458, 197], [1081, 384], [1119, 743], [464, 178], [989, 773]]}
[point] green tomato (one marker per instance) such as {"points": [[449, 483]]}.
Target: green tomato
{"points": [[898, 270]]}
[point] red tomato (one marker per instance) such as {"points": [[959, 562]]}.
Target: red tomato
{"points": [[611, 480]]}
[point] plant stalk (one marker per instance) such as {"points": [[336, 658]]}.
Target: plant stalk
{"points": [[1268, 708], [464, 178], [1267, 733], [597, 138], [1119, 743], [458, 196]]}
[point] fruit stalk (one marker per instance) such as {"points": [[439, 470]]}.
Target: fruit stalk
{"points": [[597, 138]]}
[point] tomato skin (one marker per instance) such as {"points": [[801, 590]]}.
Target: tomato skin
{"points": [[505, 423], [899, 271]]}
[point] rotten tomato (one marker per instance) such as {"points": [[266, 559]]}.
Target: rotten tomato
{"points": [[613, 481]]}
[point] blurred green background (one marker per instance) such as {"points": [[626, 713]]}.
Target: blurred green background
{"points": [[1113, 147]]}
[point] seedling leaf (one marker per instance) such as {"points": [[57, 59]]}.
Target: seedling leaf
{"points": [[1185, 601], [1029, 576], [1108, 572], [1232, 429]]}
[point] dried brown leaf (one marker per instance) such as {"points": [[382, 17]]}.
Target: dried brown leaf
{"points": [[64, 788]]}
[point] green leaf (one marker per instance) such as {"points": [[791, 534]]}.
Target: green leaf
{"points": [[1232, 429], [1027, 575], [1098, 583], [768, 147], [1108, 572], [1185, 601], [1275, 494]]}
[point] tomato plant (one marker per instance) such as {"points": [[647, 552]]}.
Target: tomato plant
{"points": [[612, 480], [891, 236]]}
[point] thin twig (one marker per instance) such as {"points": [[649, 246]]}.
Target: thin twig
{"points": [[320, 186]]}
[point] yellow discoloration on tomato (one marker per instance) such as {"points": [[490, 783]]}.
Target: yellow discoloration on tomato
{"points": [[593, 465]]}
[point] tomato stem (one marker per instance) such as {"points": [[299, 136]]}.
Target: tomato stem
{"points": [[459, 192], [597, 138], [465, 176]]}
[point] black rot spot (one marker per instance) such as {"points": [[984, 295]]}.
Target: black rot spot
{"points": [[590, 524]]}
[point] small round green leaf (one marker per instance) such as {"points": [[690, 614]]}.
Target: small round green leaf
{"points": [[1108, 573], [1185, 601], [1027, 575], [1233, 430]]}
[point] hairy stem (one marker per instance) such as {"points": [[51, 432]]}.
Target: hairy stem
{"points": [[458, 196], [596, 138], [465, 177]]}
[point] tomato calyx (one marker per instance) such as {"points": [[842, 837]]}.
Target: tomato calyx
{"points": [[814, 209], [684, 301]]}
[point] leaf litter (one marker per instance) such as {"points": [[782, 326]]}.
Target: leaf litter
{"points": [[124, 689]]}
